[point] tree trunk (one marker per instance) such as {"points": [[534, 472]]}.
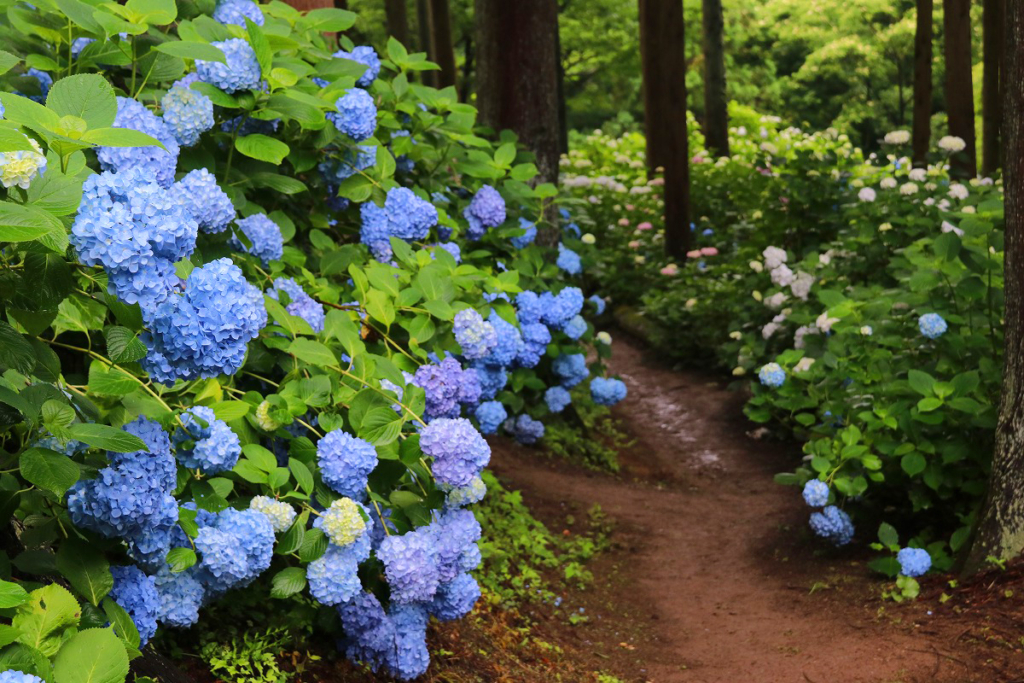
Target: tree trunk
{"points": [[716, 103], [563, 115], [516, 74], [923, 82], [307, 5], [1000, 529], [398, 20], [467, 68], [956, 23], [663, 60], [340, 4], [442, 49], [991, 93], [423, 34]]}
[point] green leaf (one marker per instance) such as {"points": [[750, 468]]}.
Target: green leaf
{"points": [[505, 154], [263, 148], [887, 535], [158, 12], [381, 426], [291, 540], [19, 223], [312, 352], [264, 55], [42, 619], [260, 457], [7, 61], [329, 20], [81, 14], [87, 96], [230, 410], [302, 475], [13, 140], [121, 622], [12, 595], [181, 559], [86, 568], [396, 51], [107, 437], [92, 656], [314, 545], [277, 182], [55, 192], [25, 112], [120, 137], [926, 405], [379, 305], [15, 352], [192, 50], [288, 582], [49, 470], [109, 381], [913, 463], [921, 382], [123, 345], [216, 95]]}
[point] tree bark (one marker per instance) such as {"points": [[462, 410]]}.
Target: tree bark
{"points": [[516, 74], [663, 61], [563, 114], [1000, 528], [442, 49], [397, 17], [468, 73], [991, 92], [716, 103], [340, 4], [307, 5], [423, 34], [959, 83], [923, 81]]}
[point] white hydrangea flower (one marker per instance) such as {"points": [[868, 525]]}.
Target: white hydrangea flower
{"points": [[867, 194], [897, 137], [774, 257], [952, 144], [958, 191], [908, 188], [803, 365], [918, 175], [888, 183], [782, 276]]}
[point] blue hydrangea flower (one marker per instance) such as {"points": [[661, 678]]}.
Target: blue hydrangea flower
{"points": [[241, 72], [237, 11], [607, 392], [932, 325], [490, 378], [364, 54], [356, 115], [571, 369], [475, 335], [45, 82], [265, 235], [404, 215], [452, 248], [344, 522], [536, 337], [485, 210], [569, 260], [369, 633], [557, 398], [236, 546], [302, 304], [12, 676], [460, 453], [456, 598], [816, 493], [242, 126], [410, 565], [832, 524], [153, 163], [914, 562], [345, 462], [375, 232], [490, 415], [338, 168], [528, 307], [201, 196], [599, 304], [157, 461], [525, 429], [558, 310], [136, 594], [206, 443], [205, 331], [447, 385], [408, 658], [280, 513], [772, 375], [575, 328], [509, 344], [526, 239], [79, 44], [460, 496], [333, 577], [188, 113], [181, 595], [456, 532]]}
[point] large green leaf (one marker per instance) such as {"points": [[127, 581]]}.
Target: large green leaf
{"points": [[192, 50], [86, 568], [288, 582], [263, 148], [105, 436], [92, 656], [42, 619], [12, 595], [20, 223], [123, 345], [87, 96], [48, 470], [120, 137], [312, 352]]}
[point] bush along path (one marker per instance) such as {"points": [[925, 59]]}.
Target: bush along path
{"points": [[717, 578]]}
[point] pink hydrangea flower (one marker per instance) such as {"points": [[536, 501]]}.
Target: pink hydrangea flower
{"points": [[693, 254], [646, 225], [635, 244], [670, 269], [624, 222], [629, 207], [656, 181], [709, 251]]}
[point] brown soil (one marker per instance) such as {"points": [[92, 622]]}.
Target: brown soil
{"points": [[717, 579]]}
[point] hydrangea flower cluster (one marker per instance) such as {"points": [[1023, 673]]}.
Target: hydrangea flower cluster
{"points": [[476, 336], [351, 161], [462, 496], [599, 304], [12, 676], [152, 162], [343, 522], [575, 328], [181, 595], [525, 429], [18, 169], [345, 462], [45, 81], [302, 304], [356, 115], [489, 415], [527, 238], [205, 331], [485, 210], [236, 546], [241, 72], [364, 54], [607, 391], [404, 215], [569, 260], [571, 369], [914, 562], [832, 524], [558, 309], [452, 248], [265, 236], [816, 493], [447, 386], [206, 443], [188, 113], [772, 375], [932, 325], [334, 577], [280, 513], [137, 595], [460, 453], [237, 11], [557, 398], [508, 346], [201, 196]]}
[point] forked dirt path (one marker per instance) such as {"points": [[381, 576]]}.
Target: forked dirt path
{"points": [[715, 563]]}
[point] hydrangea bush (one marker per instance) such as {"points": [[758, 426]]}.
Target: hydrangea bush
{"points": [[262, 297]]}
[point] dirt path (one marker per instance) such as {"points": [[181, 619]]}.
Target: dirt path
{"points": [[716, 569]]}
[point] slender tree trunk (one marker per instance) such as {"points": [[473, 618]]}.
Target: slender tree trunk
{"points": [[563, 115], [923, 81], [716, 102], [517, 77], [663, 59], [340, 4], [1000, 529], [423, 35], [991, 85], [959, 83], [442, 49], [307, 5], [398, 20], [467, 68]]}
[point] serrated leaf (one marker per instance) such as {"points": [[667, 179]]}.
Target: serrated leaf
{"points": [[312, 352], [91, 656], [123, 345], [122, 623], [262, 148], [12, 595], [192, 50], [107, 437], [181, 559], [42, 619], [86, 568], [288, 582], [48, 470], [87, 96]]}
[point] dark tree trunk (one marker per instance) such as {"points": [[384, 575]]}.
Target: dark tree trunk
{"points": [[442, 49], [1000, 529], [716, 103], [663, 59], [340, 4], [516, 74], [467, 69], [956, 22], [307, 5], [398, 20], [563, 116], [923, 81], [423, 35], [991, 84]]}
